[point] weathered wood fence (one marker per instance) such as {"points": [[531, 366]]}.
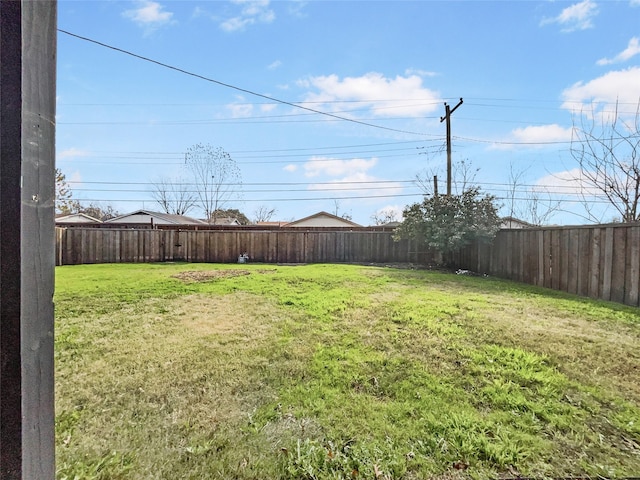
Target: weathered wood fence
{"points": [[598, 261], [108, 245]]}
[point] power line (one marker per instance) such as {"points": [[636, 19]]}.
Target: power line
{"points": [[227, 85]]}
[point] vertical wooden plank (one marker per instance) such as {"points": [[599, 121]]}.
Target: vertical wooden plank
{"points": [[633, 266], [98, 247], [564, 260], [200, 239], [546, 252], [572, 265], [531, 247], [608, 264], [553, 249], [619, 263], [523, 272], [27, 251], [520, 265], [506, 257], [584, 247], [312, 248], [594, 263]]}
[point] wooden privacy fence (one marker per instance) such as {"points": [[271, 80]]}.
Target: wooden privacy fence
{"points": [[600, 261], [101, 245]]}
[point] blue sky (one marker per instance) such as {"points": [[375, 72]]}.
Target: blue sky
{"points": [[381, 69]]}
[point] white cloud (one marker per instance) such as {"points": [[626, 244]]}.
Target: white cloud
{"points": [[268, 107], [633, 49], [568, 182], [148, 14], [296, 8], [240, 110], [72, 153], [274, 65], [354, 182], [75, 178], [359, 184], [354, 177], [386, 97], [422, 73], [335, 167], [542, 134], [252, 12], [535, 136], [634, 3], [290, 168], [601, 94], [578, 16]]}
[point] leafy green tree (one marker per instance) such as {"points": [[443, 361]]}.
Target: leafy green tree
{"points": [[449, 222], [230, 213], [101, 212]]}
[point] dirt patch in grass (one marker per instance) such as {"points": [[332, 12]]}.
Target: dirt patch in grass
{"points": [[208, 275]]}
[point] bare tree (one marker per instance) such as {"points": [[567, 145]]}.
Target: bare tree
{"points": [[336, 210], [174, 196], [539, 210], [263, 214], [463, 176], [531, 203], [516, 185], [217, 178], [336, 207], [385, 215], [608, 156]]}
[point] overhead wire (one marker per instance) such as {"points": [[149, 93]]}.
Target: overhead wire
{"points": [[234, 87]]}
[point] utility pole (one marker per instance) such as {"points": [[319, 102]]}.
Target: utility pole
{"points": [[447, 117]]}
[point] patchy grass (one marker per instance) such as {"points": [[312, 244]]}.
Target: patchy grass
{"points": [[338, 371]]}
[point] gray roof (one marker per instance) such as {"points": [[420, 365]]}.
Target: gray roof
{"points": [[146, 216]]}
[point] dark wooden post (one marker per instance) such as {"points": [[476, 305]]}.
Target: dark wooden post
{"points": [[447, 117], [27, 163]]}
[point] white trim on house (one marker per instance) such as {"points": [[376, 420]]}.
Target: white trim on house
{"points": [[322, 219], [157, 218]]}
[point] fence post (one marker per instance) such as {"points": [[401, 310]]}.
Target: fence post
{"points": [[27, 250]]}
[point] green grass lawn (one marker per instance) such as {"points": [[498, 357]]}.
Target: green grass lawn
{"points": [[172, 371]]}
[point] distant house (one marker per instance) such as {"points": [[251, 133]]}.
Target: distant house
{"points": [[76, 218], [393, 224], [512, 222], [322, 219], [154, 218], [224, 221], [271, 224]]}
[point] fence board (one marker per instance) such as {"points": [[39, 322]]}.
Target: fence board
{"points": [[608, 264], [594, 263], [572, 268], [632, 280], [618, 265], [584, 249], [556, 258]]}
